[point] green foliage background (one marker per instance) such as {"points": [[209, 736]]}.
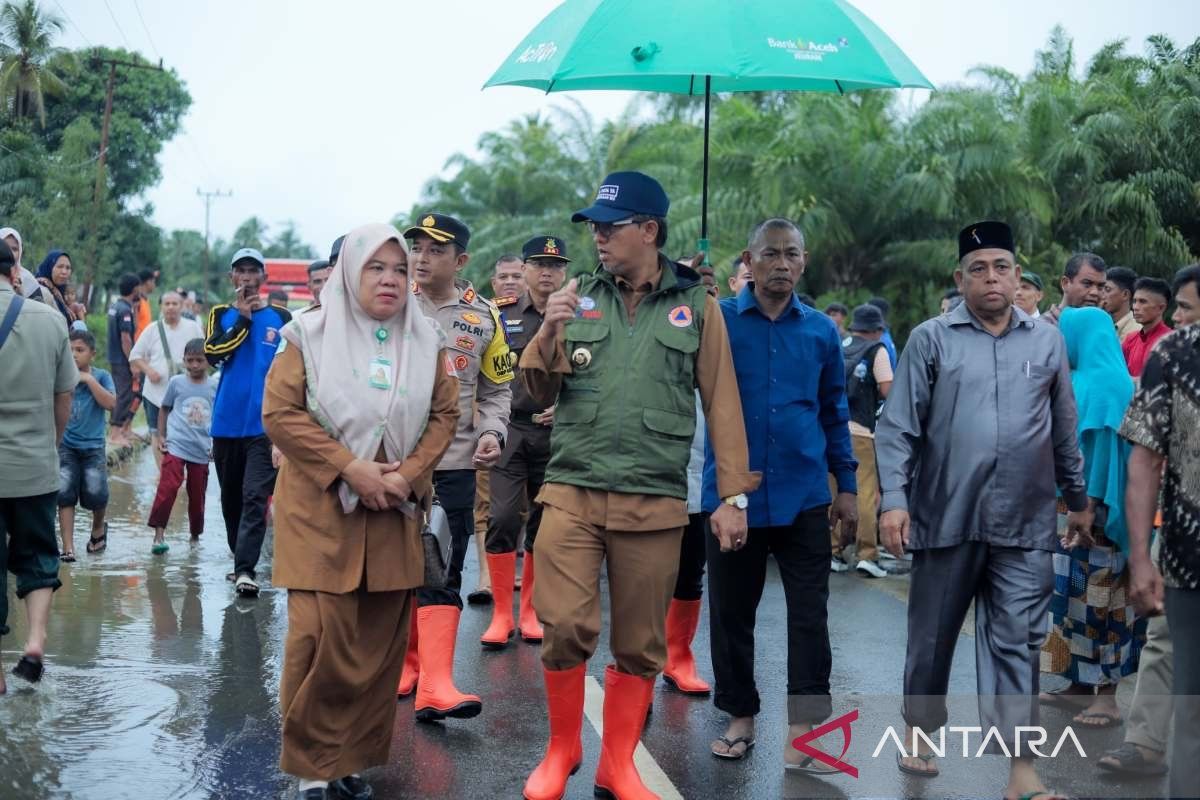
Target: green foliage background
{"points": [[1105, 158]]}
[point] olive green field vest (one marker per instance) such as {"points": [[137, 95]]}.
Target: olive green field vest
{"points": [[627, 412]]}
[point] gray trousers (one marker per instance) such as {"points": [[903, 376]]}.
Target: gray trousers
{"points": [[1011, 588], [1150, 709], [1183, 610]]}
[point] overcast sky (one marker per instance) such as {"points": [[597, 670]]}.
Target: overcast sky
{"points": [[333, 114]]}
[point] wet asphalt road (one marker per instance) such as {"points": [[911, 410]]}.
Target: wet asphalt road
{"points": [[160, 684]]}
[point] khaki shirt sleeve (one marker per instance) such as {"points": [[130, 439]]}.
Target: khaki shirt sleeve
{"points": [[718, 386], [66, 375], [291, 427], [493, 390], [417, 469], [541, 381]]}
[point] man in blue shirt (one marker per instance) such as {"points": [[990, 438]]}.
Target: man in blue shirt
{"points": [[242, 340], [791, 377], [120, 344]]}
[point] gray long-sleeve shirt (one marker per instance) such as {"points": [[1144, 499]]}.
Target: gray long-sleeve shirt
{"points": [[977, 431]]}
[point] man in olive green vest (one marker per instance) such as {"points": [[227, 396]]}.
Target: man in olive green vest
{"points": [[622, 352]]}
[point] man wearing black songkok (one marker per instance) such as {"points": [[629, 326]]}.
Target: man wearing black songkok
{"points": [[978, 429]]}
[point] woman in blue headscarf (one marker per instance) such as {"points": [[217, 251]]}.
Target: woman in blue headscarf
{"points": [[1095, 638], [54, 274]]}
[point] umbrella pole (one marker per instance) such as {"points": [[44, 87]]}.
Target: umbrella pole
{"points": [[703, 243]]}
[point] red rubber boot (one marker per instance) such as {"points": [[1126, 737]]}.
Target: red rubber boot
{"points": [[564, 752]]}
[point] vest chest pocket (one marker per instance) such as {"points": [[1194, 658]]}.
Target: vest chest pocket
{"points": [[585, 344], [679, 346]]}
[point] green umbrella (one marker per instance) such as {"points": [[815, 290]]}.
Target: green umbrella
{"points": [[697, 47]]}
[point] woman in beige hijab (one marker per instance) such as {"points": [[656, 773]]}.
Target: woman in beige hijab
{"points": [[361, 401]]}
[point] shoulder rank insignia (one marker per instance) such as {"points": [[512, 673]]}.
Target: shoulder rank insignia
{"points": [[507, 300]]}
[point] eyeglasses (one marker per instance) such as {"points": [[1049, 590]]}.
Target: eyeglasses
{"points": [[606, 229]]}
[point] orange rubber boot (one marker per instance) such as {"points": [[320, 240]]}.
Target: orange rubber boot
{"points": [[412, 664], [564, 752], [626, 698], [683, 617], [501, 567], [531, 629], [437, 697]]}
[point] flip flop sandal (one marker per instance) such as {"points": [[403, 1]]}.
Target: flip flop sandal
{"points": [[914, 771], [1062, 698], [98, 545], [731, 743], [67, 558], [30, 668], [159, 548], [1046, 795], [1106, 719], [811, 766], [1130, 761]]}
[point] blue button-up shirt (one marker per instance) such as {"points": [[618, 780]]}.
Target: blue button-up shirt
{"points": [[792, 381]]}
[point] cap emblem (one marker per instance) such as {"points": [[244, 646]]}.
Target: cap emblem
{"points": [[428, 222], [550, 248], [608, 191]]}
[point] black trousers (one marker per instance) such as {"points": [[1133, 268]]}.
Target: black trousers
{"points": [[516, 480], [122, 376], [1183, 615], [455, 490], [735, 585], [689, 585], [247, 481]]}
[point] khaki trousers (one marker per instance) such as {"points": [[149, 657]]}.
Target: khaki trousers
{"points": [[642, 567], [1152, 705], [342, 660], [868, 501]]}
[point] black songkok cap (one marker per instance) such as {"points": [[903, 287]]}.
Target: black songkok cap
{"points": [[986, 234], [336, 250]]}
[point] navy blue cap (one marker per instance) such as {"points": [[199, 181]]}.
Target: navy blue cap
{"points": [[624, 194], [442, 228]]}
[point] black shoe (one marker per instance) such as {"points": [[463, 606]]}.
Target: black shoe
{"points": [[30, 668], [480, 597], [316, 793], [350, 787]]}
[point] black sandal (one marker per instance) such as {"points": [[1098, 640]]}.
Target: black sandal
{"points": [[916, 771], [67, 558], [1130, 761], [731, 743], [30, 668], [98, 545]]}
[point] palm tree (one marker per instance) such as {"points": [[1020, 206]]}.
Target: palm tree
{"points": [[30, 63]]}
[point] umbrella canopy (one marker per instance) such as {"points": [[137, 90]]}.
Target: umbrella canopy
{"points": [[697, 47]]}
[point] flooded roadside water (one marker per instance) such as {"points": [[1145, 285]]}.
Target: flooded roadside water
{"points": [[159, 683]]}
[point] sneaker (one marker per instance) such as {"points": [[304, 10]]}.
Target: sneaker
{"points": [[870, 569], [245, 586], [885, 555], [837, 565]]}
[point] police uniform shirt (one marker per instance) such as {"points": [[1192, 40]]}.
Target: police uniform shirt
{"points": [[521, 323], [479, 352]]}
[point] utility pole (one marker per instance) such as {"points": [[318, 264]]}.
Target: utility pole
{"points": [[112, 63], [208, 198]]}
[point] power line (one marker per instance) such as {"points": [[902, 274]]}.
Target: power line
{"points": [[146, 28], [120, 30], [73, 25], [26, 158]]}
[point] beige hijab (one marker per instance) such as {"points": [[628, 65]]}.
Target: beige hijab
{"points": [[339, 341]]}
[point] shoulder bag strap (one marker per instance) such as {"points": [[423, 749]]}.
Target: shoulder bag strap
{"points": [[10, 318], [162, 335]]}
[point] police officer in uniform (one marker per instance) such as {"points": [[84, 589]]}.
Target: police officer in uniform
{"points": [[622, 351], [476, 344], [508, 284], [517, 479]]}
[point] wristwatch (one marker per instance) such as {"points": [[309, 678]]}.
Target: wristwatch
{"points": [[499, 437], [738, 501]]}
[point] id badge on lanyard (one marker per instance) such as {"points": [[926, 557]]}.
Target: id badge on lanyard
{"points": [[380, 373]]}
